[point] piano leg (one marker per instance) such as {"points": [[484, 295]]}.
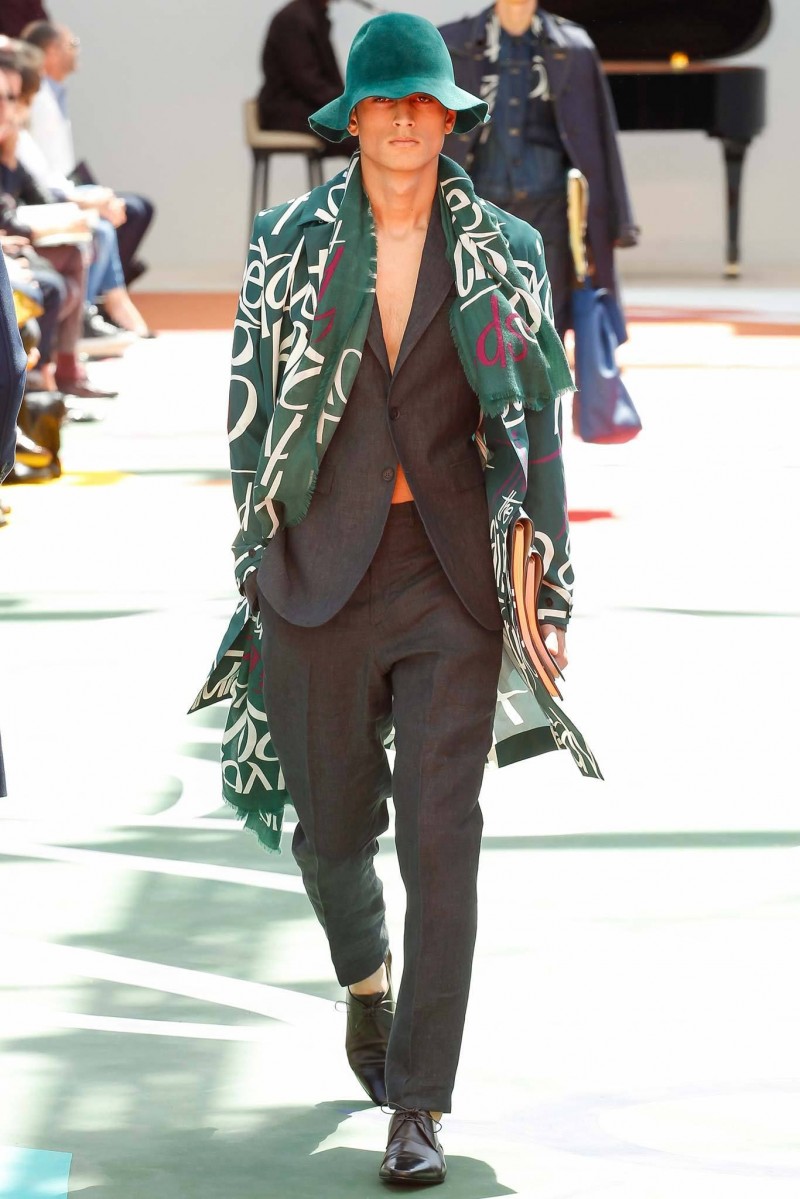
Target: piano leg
{"points": [[734, 152]]}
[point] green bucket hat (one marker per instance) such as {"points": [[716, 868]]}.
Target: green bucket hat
{"points": [[395, 55]]}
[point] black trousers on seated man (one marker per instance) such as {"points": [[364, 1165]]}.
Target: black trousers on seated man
{"points": [[376, 614], [130, 234]]}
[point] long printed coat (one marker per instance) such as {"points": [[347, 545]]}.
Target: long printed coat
{"points": [[585, 118], [521, 448]]}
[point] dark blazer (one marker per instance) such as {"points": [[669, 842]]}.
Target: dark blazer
{"points": [[300, 69], [584, 115], [424, 416]]}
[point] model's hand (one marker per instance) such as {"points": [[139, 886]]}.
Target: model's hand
{"points": [[556, 641], [251, 591]]}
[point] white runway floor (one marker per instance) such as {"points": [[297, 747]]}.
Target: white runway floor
{"points": [[167, 1023]]}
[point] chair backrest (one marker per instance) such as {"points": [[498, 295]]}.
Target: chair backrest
{"points": [[251, 125], [279, 141]]}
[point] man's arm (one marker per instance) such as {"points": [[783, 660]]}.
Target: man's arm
{"points": [[625, 231], [546, 504], [546, 499]]}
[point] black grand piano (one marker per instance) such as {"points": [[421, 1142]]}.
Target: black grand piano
{"points": [[660, 60]]}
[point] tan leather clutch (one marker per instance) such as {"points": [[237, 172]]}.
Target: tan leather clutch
{"points": [[526, 580]]}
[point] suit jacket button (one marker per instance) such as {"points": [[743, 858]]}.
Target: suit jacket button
{"points": [[394, 413], [388, 474]]}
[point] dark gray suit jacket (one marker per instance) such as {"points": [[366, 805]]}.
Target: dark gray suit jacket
{"points": [[424, 415]]}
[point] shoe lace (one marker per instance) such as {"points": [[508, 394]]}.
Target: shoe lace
{"points": [[365, 1011], [412, 1116]]}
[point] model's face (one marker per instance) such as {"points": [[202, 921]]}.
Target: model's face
{"points": [[10, 83], [401, 135]]}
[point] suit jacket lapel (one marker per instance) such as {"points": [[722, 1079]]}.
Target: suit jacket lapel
{"points": [[434, 282], [375, 338]]}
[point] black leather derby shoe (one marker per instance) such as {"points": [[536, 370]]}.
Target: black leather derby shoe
{"points": [[413, 1155], [369, 1022]]}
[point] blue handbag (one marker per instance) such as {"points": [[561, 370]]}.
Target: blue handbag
{"points": [[602, 410]]}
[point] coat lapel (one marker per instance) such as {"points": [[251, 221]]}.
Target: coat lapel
{"points": [[556, 53], [434, 282], [375, 339]]}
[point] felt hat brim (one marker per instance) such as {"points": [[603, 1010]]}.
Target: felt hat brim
{"points": [[331, 121]]}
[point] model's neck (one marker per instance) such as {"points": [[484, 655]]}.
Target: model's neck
{"points": [[516, 18], [401, 201]]}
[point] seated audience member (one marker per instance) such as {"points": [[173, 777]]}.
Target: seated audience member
{"points": [[12, 371], [300, 70], [47, 288], [105, 278], [59, 270], [51, 129], [22, 460], [16, 14]]}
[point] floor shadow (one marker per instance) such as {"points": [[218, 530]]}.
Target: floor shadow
{"points": [[278, 1161]]}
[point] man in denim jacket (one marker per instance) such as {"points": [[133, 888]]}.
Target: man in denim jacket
{"points": [[551, 110]]}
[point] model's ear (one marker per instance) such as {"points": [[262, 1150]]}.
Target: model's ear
{"points": [[450, 120], [352, 124]]}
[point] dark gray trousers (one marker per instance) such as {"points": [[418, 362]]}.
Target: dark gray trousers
{"points": [[403, 650]]}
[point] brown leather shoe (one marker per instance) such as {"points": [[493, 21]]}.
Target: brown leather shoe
{"points": [[83, 390], [413, 1155], [369, 1023]]}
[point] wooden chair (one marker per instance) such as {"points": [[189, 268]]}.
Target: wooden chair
{"points": [[264, 143]]}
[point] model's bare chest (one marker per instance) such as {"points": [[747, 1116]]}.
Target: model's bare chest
{"points": [[398, 268]]}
